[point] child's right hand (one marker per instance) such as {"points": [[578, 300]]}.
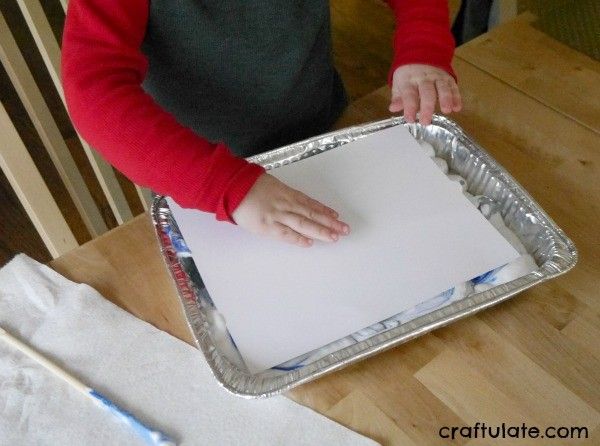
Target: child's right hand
{"points": [[271, 208]]}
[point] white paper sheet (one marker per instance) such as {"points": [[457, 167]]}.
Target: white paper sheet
{"points": [[413, 236]]}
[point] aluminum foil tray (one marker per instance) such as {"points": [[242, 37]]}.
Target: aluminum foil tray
{"points": [[551, 252]]}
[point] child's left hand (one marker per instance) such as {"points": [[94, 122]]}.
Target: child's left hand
{"points": [[417, 87]]}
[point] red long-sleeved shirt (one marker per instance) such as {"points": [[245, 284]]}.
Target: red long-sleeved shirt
{"points": [[103, 69]]}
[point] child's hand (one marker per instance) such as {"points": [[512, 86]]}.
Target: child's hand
{"points": [[271, 208], [416, 87]]}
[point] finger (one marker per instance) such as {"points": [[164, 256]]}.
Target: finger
{"points": [[326, 220], [318, 206], [396, 105], [307, 227], [288, 235], [445, 95], [427, 95], [456, 97], [314, 210], [304, 205], [410, 98]]}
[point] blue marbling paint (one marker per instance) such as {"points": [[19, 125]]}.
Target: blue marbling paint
{"points": [[488, 277], [178, 242], [151, 437]]}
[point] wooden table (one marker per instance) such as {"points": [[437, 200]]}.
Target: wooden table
{"points": [[533, 104]]}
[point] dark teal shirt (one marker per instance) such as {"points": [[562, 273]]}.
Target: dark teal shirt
{"points": [[252, 74]]}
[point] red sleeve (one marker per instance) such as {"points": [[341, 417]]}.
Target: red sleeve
{"points": [[422, 34], [102, 71]]}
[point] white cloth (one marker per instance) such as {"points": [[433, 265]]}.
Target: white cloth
{"points": [[161, 380]]}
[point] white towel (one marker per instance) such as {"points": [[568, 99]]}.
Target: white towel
{"points": [[163, 381]]}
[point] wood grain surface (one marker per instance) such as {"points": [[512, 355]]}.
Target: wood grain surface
{"points": [[534, 359], [541, 67]]}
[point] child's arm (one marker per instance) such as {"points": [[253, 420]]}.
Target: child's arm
{"points": [[102, 70], [421, 71]]}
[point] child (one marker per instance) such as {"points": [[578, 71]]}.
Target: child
{"points": [[175, 93]]}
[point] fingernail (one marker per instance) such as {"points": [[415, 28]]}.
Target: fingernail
{"points": [[346, 229], [334, 236]]}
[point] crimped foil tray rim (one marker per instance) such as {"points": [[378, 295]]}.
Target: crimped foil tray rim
{"points": [[248, 386]]}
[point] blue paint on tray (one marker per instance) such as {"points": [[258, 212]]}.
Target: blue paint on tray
{"points": [[488, 277]]}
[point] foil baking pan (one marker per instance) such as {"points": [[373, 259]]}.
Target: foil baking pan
{"points": [[553, 253]]}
